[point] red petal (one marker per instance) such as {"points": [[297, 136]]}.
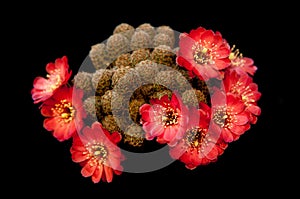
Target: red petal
{"points": [[78, 156], [207, 37], [196, 34], [160, 139], [88, 169], [205, 72], [144, 108], [168, 134], [211, 71], [46, 111], [175, 101], [213, 153], [185, 63], [177, 151], [114, 163], [254, 109], [115, 137], [253, 119], [238, 130], [118, 172], [49, 123], [195, 158], [222, 63], [96, 177], [185, 47], [226, 135], [50, 67], [62, 133], [235, 103], [250, 69], [77, 147], [241, 119], [40, 83], [152, 130], [108, 173], [223, 53], [217, 41], [248, 61]]}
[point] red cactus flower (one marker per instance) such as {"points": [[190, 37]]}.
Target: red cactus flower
{"points": [[97, 152], [64, 112], [229, 118], [58, 75], [242, 85], [164, 119], [204, 52]]}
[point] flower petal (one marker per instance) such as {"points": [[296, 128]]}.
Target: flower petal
{"points": [[88, 169], [213, 153], [96, 177], [254, 109], [108, 173], [226, 135], [241, 119], [78, 156]]}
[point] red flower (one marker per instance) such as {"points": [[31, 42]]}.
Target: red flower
{"points": [[164, 119], [199, 146], [241, 64], [204, 52], [97, 151], [64, 112], [242, 85], [229, 116], [57, 76]]}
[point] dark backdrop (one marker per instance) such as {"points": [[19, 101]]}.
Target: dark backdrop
{"points": [[251, 166]]}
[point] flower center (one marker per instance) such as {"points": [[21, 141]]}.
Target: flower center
{"points": [[201, 54], [169, 117], [195, 137], [222, 117], [97, 152], [54, 79], [64, 110]]}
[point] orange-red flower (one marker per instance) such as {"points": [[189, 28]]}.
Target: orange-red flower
{"points": [[97, 151], [58, 75], [229, 115], [199, 146], [242, 85], [64, 112], [204, 52], [164, 119]]}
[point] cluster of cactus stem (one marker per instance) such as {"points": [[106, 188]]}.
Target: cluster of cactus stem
{"points": [[133, 66]]}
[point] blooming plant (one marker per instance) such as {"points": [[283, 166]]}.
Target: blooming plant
{"points": [[149, 89]]}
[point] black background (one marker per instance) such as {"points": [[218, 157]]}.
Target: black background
{"points": [[254, 165]]}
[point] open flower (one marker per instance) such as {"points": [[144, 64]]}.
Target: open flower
{"points": [[58, 75], [241, 64], [242, 85], [97, 151], [64, 112], [164, 119], [199, 146], [203, 52], [230, 118]]}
